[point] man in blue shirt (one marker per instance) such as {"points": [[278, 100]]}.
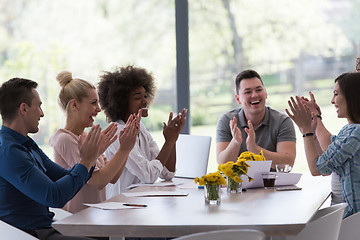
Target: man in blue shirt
{"points": [[30, 182]]}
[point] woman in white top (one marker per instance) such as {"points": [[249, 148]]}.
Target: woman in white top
{"points": [[122, 93], [79, 99]]}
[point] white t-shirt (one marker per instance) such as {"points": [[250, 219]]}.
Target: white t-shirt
{"points": [[141, 166], [336, 189]]}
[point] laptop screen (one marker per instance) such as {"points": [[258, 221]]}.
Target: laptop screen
{"points": [[192, 154]]}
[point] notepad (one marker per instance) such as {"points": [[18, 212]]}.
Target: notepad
{"points": [[156, 184], [115, 205], [156, 194]]}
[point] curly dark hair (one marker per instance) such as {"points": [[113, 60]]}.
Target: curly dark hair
{"points": [[115, 87]]}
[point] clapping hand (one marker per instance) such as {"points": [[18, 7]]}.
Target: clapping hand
{"points": [[108, 137], [235, 131], [90, 147], [313, 106], [181, 120], [174, 126], [302, 115], [128, 135], [250, 140]]}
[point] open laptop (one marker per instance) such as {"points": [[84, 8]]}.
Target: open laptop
{"points": [[192, 155], [255, 170]]}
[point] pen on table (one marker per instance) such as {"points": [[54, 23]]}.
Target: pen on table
{"points": [[134, 205]]}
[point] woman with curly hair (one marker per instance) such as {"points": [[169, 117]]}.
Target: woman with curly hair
{"points": [[123, 92], [79, 99]]}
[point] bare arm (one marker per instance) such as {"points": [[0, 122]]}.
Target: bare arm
{"points": [[89, 147], [113, 169], [229, 151], [108, 137], [306, 121], [171, 131], [171, 163], [311, 154], [285, 151], [107, 174], [323, 135]]}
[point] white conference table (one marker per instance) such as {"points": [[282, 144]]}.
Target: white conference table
{"points": [[276, 213]]}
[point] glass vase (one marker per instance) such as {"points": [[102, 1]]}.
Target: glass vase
{"points": [[233, 186], [212, 194]]}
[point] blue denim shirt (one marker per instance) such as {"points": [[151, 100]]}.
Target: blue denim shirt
{"points": [[343, 157], [30, 182]]}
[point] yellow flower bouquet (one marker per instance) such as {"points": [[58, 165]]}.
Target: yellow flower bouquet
{"points": [[249, 156], [212, 183], [234, 170]]}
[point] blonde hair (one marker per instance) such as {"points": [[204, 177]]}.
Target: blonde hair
{"points": [[71, 88]]}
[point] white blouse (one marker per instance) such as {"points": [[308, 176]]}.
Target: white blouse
{"points": [[141, 166]]}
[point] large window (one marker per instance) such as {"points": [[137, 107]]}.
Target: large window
{"points": [[40, 38], [296, 46]]}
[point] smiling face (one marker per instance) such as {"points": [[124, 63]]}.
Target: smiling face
{"points": [[138, 99], [88, 108], [339, 102], [33, 113], [252, 96]]}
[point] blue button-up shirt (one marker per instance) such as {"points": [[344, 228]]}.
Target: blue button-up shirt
{"points": [[343, 157], [30, 182]]}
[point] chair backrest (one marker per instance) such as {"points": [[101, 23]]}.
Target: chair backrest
{"points": [[325, 225], [350, 227], [239, 234], [192, 155], [9, 232]]}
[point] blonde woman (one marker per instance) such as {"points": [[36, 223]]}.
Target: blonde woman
{"points": [[79, 99]]}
